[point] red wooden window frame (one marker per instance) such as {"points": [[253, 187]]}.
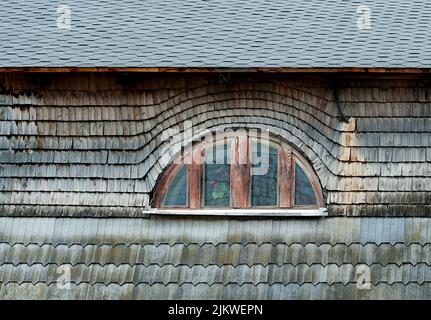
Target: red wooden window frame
{"points": [[240, 175]]}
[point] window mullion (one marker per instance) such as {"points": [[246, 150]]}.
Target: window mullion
{"points": [[285, 176], [240, 171], [195, 171]]}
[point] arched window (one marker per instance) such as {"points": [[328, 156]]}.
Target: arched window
{"points": [[239, 171]]}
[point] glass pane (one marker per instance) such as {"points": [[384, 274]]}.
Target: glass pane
{"points": [[217, 176], [304, 194], [176, 195], [264, 175]]}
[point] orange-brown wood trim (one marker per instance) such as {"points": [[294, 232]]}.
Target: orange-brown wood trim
{"points": [[284, 176], [240, 172], [194, 178], [216, 70]]}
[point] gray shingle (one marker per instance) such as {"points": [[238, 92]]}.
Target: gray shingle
{"points": [[217, 33], [132, 258]]}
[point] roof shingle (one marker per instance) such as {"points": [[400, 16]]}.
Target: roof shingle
{"points": [[216, 33]]}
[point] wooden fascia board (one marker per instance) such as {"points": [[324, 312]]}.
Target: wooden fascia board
{"points": [[217, 70]]}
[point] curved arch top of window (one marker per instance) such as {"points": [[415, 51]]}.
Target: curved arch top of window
{"points": [[240, 174]]}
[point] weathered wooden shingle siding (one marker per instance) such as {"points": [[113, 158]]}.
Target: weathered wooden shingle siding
{"points": [[215, 258], [90, 144]]}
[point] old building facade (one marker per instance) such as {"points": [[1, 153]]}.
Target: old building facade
{"points": [[82, 154], [100, 102]]}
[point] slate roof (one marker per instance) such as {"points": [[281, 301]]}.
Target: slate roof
{"points": [[216, 33], [212, 258]]}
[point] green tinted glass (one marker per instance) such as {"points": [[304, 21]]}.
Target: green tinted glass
{"points": [[217, 176], [176, 195], [304, 193], [264, 175]]}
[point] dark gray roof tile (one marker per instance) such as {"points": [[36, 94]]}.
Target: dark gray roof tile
{"points": [[252, 33]]}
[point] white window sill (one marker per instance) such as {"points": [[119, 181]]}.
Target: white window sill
{"points": [[321, 212]]}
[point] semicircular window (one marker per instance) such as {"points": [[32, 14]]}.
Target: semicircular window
{"points": [[239, 171]]}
